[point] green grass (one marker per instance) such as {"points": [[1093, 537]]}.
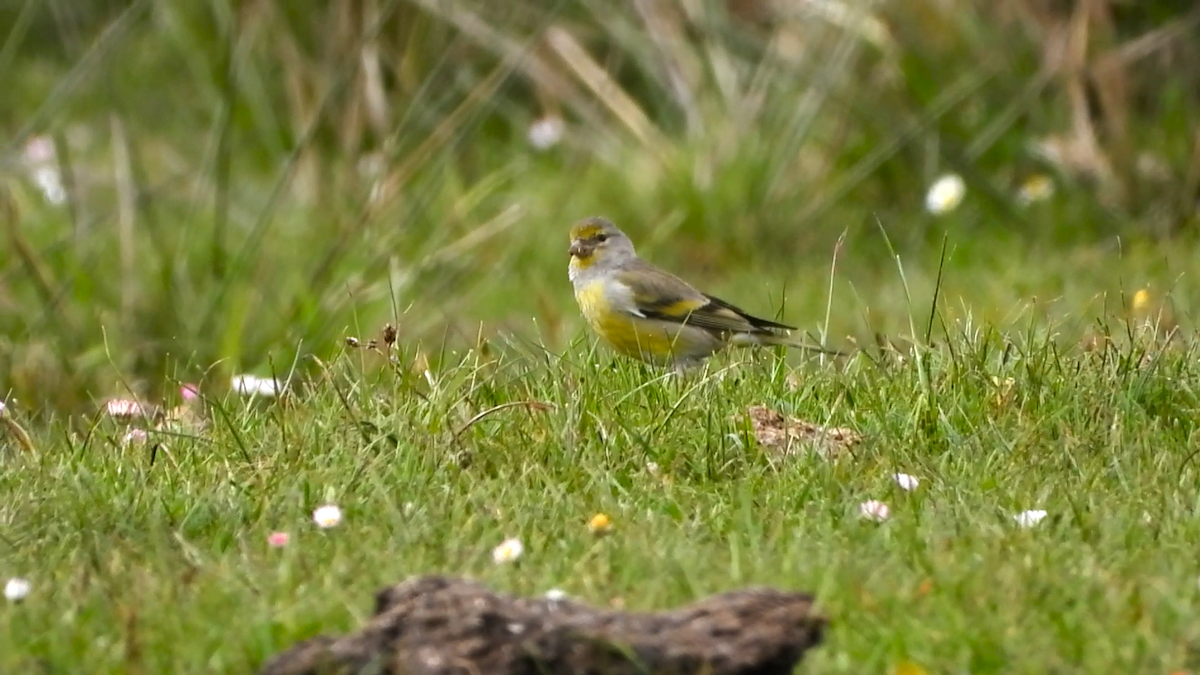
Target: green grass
{"points": [[250, 183], [154, 558]]}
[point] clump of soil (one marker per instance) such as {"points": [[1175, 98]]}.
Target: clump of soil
{"points": [[443, 626]]}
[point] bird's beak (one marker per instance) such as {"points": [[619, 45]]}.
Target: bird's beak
{"points": [[577, 249]]}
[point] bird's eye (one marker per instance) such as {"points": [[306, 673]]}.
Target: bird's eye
{"points": [[602, 238]]}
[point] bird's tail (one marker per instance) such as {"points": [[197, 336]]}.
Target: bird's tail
{"points": [[785, 339]]}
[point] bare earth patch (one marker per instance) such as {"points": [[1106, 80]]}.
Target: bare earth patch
{"points": [[789, 436]]}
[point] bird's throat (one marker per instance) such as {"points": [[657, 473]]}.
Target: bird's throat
{"points": [[578, 264]]}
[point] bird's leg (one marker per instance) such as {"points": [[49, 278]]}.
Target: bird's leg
{"points": [[684, 367]]}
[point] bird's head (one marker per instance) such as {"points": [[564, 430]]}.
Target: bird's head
{"points": [[598, 241]]}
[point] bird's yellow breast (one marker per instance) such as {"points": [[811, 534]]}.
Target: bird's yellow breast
{"points": [[636, 336]]}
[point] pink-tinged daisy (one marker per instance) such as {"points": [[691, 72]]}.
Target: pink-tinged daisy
{"points": [[135, 436], [874, 510], [124, 408]]}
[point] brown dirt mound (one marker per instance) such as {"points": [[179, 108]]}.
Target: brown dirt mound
{"points": [[442, 626]]}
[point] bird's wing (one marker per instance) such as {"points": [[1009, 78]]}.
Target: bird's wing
{"points": [[660, 295]]}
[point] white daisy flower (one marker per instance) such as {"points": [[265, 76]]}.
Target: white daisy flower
{"points": [[546, 132], [17, 589], [327, 516], [508, 551], [906, 482], [42, 162], [945, 194], [253, 385], [1029, 518]]}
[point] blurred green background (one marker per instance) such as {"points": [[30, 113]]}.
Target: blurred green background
{"points": [[195, 189]]}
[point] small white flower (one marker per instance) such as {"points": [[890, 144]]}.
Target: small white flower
{"points": [[874, 510], [42, 161], [253, 385], [652, 468], [2, 407], [906, 482], [327, 516], [945, 194], [546, 132], [16, 589], [50, 182], [1029, 518], [556, 595], [508, 551]]}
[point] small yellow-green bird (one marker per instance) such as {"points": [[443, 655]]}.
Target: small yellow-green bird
{"points": [[649, 313]]}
